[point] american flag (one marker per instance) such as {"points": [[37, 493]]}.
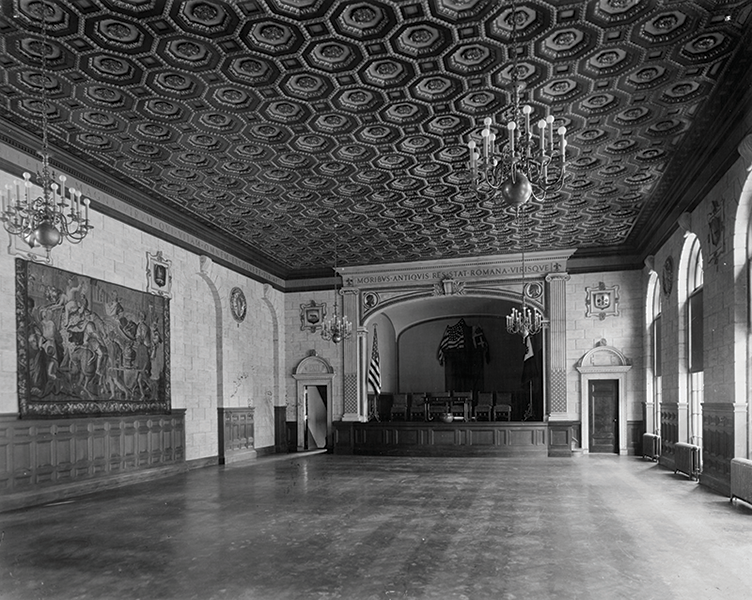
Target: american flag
{"points": [[374, 369], [454, 337]]}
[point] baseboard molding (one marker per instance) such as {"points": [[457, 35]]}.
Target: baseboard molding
{"points": [[268, 450], [60, 492]]}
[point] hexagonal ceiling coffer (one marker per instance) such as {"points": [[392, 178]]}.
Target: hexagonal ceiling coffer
{"points": [[364, 20], [188, 51], [332, 55], [268, 132], [207, 17], [665, 25], [119, 33], [420, 40], [386, 72], [307, 86], [285, 111], [611, 60], [358, 100], [471, 58], [274, 37], [433, 87], [254, 70], [333, 123]]}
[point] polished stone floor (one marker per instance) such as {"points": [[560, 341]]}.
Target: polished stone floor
{"points": [[324, 527]]}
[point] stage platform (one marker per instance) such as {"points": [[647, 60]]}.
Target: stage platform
{"points": [[460, 438]]}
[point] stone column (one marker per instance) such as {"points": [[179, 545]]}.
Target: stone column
{"points": [[351, 394], [557, 348]]}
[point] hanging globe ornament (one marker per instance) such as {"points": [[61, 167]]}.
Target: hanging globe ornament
{"points": [[516, 189]]}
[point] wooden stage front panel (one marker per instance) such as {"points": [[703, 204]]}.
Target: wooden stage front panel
{"points": [[440, 439]]}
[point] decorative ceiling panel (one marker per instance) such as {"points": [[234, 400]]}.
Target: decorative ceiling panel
{"points": [[281, 125]]}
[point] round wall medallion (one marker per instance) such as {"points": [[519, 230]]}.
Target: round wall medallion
{"points": [[238, 304], [667, 277], [534, 290]]}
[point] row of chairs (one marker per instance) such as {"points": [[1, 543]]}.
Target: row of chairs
{"points": [[418, 407]]}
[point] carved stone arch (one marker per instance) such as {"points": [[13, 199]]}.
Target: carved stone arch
{"points": [[742, 278], [603, 362], [206, 272], [469, 292], [603, 356], [312, 365], [312, 370]]}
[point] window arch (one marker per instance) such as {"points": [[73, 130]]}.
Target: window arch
{"points": [[654, 354], [694, 338]]}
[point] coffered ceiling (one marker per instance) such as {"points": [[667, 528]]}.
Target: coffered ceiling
{"points": [[287, 131]]}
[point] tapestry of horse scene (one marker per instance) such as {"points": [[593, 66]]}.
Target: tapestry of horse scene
{"points": [[89, 347]]}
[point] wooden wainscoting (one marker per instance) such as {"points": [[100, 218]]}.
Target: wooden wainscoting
{"points": [[669, 433], [717, 445], [437, 439], [236, 435], [40, 457]]}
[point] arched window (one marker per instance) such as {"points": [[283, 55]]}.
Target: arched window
{"points": [[695, 347], [655, 370]]}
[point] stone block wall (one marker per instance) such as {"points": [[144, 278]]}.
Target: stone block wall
{"points": [[215, 361], [623, 332], [299, 343]]}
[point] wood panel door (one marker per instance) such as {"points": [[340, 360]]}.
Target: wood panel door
{"points": [[316, 416], [604, 415]]}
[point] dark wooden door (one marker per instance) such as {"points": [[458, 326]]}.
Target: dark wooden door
{"points": [[604, 415]]}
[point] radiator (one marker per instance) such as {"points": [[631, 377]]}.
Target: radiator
{"points": [[741, 479], [687, 459], [651, 446]]}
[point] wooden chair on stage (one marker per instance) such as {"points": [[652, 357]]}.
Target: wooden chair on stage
{"points": [[461, 404], [417, 407], [484, 407], [503, 407], [399, 410], [438, 403]]}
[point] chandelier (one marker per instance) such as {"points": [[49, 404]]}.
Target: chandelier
{"points": [[522, 163], [59, 213], [337, 327], [525, 321]]}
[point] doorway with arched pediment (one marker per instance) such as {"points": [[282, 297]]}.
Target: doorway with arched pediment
{"points": [[313, 376]]}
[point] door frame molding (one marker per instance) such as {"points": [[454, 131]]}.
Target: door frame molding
{"points": [[312, 370], [591, 413], [603, 362]]}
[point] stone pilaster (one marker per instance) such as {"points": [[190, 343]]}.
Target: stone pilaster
{"points": [[557, 341], [354, 404]]}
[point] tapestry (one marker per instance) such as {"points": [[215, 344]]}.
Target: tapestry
{"points": [[88, 347]]}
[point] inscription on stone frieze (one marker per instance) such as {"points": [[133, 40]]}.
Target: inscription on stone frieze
{"points": [[469, 273]]}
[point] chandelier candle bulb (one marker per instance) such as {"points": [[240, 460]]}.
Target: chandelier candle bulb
{"points": [[550, 123], [86, 214], [542, 127], [53, 203], [62, 193], [526, 110]]}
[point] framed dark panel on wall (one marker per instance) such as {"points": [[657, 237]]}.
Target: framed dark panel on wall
{"points": [[87, 347]]}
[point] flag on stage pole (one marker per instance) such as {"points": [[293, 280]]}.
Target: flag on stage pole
{"points": [[529, 372], [529, 366], [374, 368]]}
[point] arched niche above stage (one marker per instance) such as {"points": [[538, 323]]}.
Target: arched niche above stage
{"points": [[313, 370], [603, 362]]}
